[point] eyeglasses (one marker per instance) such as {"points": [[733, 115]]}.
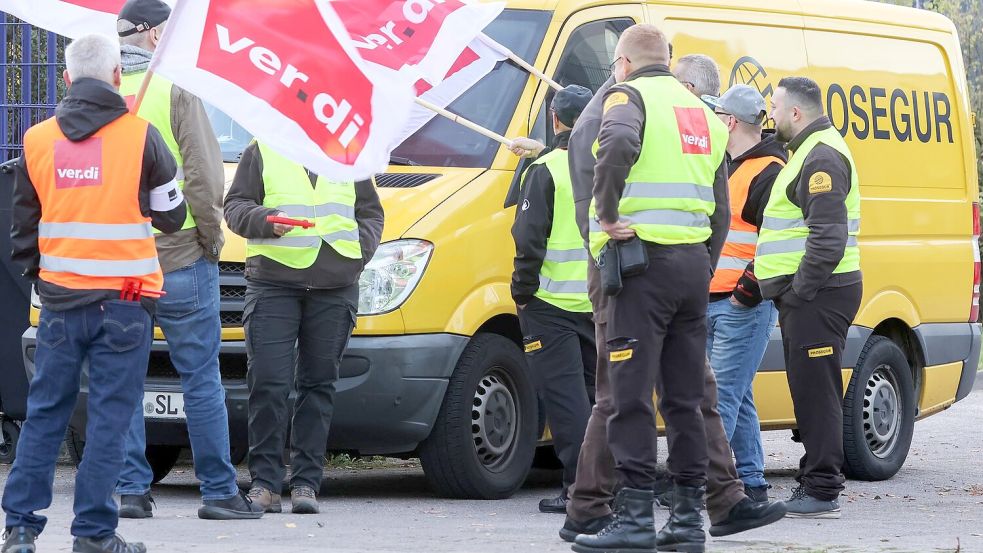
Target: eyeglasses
{"points": [[615, 62], [724, 113]]}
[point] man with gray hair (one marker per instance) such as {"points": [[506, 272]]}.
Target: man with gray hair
{"points": [[92, 181], [699, 74], [189, 259]]}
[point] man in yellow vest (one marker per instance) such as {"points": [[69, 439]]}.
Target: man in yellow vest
{"points": [[808, 261], [189, 313], [661, 179], [549, 287], [739, 322], [301, 288], [91, 182]]}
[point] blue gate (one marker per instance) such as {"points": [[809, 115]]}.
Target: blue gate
{"points": [[30, 76]]}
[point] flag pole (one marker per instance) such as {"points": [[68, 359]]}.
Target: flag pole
{"points": [[462, 121], [142, 92], [518, 61]]}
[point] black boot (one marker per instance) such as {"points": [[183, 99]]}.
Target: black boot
{"points": [[572, 528], [684, 530], [631, 531], [748, 514]]}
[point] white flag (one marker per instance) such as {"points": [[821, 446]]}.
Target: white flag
{"points": [[71, 18]]}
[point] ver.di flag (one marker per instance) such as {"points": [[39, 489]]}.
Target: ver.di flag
{"points": [[71, 18], [286, 71], [422, 39]]}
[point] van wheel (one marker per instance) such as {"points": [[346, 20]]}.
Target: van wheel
{"points": [[11, 433], [878, 412], [161, 458], [482, 444]]}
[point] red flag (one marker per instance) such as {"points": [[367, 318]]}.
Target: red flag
{"points": [[71, 18], [278, 68]]}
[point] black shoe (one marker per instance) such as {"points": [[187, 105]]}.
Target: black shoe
{"points": [[684, 530], [664, 499], [112, 544], [19, 539], [758, 494], [237, 507], [748, 514], [557, 505], [803, 505], [571, 528], [631, 530], [136, 506]]}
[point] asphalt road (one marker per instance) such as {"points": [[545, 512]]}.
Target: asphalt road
{"points": [[934, 504]]}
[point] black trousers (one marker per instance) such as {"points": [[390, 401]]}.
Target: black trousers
{"points": [[657, 338], [294, 340], [562, 356], [814, 335]]}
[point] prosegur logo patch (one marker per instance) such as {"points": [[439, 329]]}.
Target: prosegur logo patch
{"points": [[694, 131], [78, 164]]}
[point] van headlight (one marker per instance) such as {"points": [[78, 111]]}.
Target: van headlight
{"points": [[392, 275], [35, 298]]}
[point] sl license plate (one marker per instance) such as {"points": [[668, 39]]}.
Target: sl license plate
{"points": [[163, 405]]}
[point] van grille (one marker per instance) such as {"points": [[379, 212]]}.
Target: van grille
{"points": [[402, 180], [232, 288], [232, 366]]}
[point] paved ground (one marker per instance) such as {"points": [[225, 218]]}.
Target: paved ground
{"points": [[934, 504]]}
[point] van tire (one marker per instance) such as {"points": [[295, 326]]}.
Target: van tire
{"points": [[161, 458], [878, 412], [464, 459], [11, 433]]}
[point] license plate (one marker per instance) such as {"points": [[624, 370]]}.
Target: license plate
{"points": [[163, 405]]}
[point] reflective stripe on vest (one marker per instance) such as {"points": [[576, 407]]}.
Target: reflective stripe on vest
{"points": [[156, 108], [783, 236], [738, 250], [563, 275], [668, 196], [329, 205], [92, 234]]}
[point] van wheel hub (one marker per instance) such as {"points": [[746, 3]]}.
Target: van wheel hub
{"points": [[494, 418], [882, 411]]}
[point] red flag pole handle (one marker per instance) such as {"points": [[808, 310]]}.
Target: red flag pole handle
{"points": [[462, 121], [289, 221], [142, 92]]}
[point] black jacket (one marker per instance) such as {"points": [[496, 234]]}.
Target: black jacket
{"points": [[89, 106], [826, 216], [246, 216], [532, 226], [747, 291], [620, 143], [582, 159]]}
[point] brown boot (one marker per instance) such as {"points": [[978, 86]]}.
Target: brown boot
{"points": [[304, 501], [269, 501]]}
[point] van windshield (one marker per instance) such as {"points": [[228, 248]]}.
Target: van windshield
{"points": [[442, 143]]}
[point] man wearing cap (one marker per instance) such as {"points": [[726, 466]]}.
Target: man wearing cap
{"points": [[739, 322], [189, 313], [549, 287]]}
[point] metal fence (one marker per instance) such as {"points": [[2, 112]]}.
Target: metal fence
{"points": [[30, 76]]}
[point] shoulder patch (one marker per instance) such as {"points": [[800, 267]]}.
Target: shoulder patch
{"points": [[615, 99], [820, 182]]}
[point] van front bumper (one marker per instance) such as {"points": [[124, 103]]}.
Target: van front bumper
{"points": [[390, 391]]}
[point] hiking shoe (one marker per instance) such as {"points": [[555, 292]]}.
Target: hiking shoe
{"points": [[803, 505], [266, 500], [303, 501], [758, 494], [746, 515], [19, 539], [136, 506], [237, 507], [556, 505], [571, 528], [112, 544]]}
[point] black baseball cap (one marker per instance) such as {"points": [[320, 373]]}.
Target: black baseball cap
{"points": [[570, 102], [144, 14]]}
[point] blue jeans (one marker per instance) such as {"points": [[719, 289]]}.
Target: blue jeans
{"points": [[115, 337], [189, 317], [736, 341]]}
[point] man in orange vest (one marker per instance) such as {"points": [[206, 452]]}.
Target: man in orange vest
{"points": [[739, 323], [92, 182]]}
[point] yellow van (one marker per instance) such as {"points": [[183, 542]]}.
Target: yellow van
{"points": [[435, 369]]}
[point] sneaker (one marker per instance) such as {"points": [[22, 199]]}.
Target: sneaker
{"points": [[136, 506], [237, 507], [803, 505], [112, 544], [304, 501], [758, 494], [19, 539], [557, 505], [571, 528], [266, 500]]}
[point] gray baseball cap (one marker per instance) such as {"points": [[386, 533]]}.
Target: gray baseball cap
{"points": [[742, 101]]}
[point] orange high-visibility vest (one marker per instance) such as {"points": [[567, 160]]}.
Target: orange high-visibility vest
{"points": [[743, 236], [92, 234]]}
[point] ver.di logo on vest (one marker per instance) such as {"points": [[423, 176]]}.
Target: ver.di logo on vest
{"points": [[78, 164], [694, 131]]}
